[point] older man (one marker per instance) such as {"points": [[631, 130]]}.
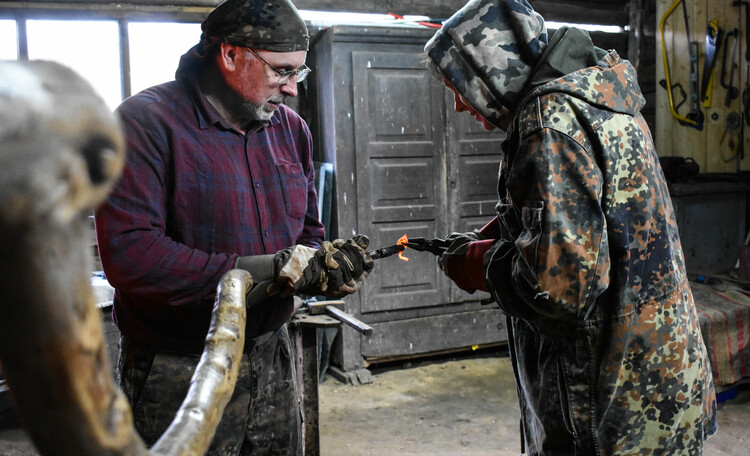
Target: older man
{"points": [[219, 175]]}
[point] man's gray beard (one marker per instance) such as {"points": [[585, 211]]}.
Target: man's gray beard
{"points": [[251, 112]]}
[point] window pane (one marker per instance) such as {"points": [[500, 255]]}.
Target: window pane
{"points": [[155, 50], [8, 40], [91, 48]]}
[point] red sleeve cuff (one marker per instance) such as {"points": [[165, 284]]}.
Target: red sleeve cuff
{"points": [[491, 230], [467, 271]]}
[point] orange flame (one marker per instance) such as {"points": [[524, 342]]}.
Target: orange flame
{"points": [[403, 240]]}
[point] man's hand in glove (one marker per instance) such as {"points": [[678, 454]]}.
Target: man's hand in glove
{"points": [[346, 264], [296, 269], [463, 262], [336, 269]]}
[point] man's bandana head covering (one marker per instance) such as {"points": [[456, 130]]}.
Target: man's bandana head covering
{"points": [[487, 51], [272, 25]]}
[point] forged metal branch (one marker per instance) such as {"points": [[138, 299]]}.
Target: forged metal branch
{"points": [[213, 383], [62, 151]]}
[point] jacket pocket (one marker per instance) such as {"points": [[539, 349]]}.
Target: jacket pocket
{"points": [[294, 186], [528, 241]]}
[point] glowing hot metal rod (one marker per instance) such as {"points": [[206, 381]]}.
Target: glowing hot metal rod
{"points": [[435, 246]]}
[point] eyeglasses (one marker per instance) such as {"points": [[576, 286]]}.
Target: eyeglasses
{"points": [[286, 76]]}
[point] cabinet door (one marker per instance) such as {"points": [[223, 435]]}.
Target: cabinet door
{"points": [[398, 116], [473, 160]]}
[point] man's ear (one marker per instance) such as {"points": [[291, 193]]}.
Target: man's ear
{"points": [[227, 56]]}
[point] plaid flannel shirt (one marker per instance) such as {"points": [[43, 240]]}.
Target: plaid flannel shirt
{"points": [[196, 194]]}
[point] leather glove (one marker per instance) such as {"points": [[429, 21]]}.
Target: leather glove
{"points": [[460, 241], [463, 263], [292, 269], [347, 264], [296, 268]]}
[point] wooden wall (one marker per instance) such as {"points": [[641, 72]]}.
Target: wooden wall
{"points": [[705, 146]]}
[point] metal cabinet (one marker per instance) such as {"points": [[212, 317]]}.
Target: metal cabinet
{"points": [[404, 163]]}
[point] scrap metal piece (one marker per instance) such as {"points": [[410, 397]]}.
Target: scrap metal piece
{"points": [[335, 309]]}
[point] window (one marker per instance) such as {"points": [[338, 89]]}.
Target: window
{"points": [[155, 50], [8, 40], [91, 48]]}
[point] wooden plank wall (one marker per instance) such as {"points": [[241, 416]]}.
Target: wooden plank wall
{"points": [[706, 146]]}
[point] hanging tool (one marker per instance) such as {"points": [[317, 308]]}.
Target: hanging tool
{"points": [[746, 91], [732, 91], [732, 123], [714, 34], [683, 94], [694, 118], [746, 4]]}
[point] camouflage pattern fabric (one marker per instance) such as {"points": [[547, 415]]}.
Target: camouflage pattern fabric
{"points": [[604, 331], [263, 416], [604, 335], [272, 25], [487, 50]]}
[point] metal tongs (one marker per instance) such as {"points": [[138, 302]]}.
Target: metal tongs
{"points": [[435, 246]]}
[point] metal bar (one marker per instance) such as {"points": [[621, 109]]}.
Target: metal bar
{"points": [[125, 87], [23, 39], [359, 325]]}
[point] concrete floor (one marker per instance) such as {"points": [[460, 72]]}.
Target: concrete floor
{"points": [[460, 406], [457, 406]]}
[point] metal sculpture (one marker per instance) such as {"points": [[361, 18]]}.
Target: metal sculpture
{"points": [[61, 151]]}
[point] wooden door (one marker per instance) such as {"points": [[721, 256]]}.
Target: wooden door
{"points": [[473, 159], [398, 116]]}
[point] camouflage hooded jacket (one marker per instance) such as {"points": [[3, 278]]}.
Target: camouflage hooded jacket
{"points": [[607, 342], [604, 334]]}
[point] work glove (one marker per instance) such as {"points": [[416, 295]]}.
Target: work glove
{"points": [[463, 261], [347, 264], [459, 242], [296, 269], [336, 269], [292, 269]]}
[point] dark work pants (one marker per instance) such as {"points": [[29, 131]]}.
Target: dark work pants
{"points": [[263, 416]]}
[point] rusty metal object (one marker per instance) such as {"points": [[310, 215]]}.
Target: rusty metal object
{"points": [[62, 151]]}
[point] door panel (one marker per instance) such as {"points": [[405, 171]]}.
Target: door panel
{"points": [[398, 114], [473, 156]]}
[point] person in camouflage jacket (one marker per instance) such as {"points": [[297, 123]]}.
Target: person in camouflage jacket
{"points": [[584, 256]]}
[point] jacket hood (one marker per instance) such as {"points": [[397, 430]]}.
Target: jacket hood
{"points": [[611, 84], [487, 51]]}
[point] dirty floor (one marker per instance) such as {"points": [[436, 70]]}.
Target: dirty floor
{"points": [[459, 406]]}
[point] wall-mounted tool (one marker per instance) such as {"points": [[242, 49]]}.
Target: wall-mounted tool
{"points": [[714, 35], [746, 5], [746, 91], [732, 91], [732, 123], [694, 118]]}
